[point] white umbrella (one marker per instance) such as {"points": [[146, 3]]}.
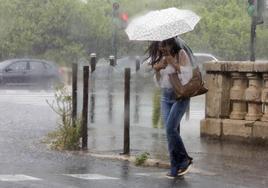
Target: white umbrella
{"points": [[162, 24]]}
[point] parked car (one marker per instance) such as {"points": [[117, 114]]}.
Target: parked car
{"points": [[127, 62], [29, 72], [205, 57], [146, 68], [136, 63], [201, 58]]}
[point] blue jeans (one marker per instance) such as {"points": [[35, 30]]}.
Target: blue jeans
{"points": [[172, 112]]}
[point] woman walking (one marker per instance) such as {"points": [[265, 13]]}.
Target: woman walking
{"points": [[167, 57]]}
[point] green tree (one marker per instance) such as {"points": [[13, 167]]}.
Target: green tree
{"points": [[67, 30], [39, 28]]}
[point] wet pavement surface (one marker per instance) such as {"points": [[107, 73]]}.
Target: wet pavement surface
{"points": [[26, 161]]}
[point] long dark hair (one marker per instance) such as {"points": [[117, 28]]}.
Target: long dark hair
{"points": [[176, 45], [155, 54]]}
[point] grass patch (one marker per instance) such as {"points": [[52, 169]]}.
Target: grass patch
{"points": [[140, 159]]}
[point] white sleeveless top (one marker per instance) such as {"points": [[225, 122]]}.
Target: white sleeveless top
{"points": [[185, 75], [164, 82]]}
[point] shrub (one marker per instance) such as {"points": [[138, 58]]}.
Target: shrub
{"points": [[68, 133]]}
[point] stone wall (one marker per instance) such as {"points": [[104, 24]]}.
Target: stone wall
{"points": [[237, 100]]}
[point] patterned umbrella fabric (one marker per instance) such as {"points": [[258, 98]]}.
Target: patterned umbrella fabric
{"points": [[162, 24]]}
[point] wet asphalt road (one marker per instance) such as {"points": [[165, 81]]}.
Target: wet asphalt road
{"points": [[26, 119]]}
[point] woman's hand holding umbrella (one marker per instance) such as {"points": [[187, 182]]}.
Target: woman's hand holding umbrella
{"points": [[161, 65], [172, 61]]}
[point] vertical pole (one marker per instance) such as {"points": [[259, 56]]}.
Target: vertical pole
{"points": [[74, 93], [92, 62], [252, 39], [114, 33], [85, 107], [112, 60], [114, 42], [126, 111], [137, 64], [110, 88], [115, 14]]}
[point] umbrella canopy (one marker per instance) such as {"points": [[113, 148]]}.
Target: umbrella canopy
{"points": [[163, 24]]}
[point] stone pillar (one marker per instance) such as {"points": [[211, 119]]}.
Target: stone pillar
{"points": [[264, 97], [218, 95], [253, 97], [238, 104]]}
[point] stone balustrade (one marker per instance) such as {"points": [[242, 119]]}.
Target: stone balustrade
{"points": [[237, 100]]}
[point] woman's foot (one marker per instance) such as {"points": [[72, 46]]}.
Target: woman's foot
{"points": [[171, 176], [173, 173], [184, 170], [190, 159]]}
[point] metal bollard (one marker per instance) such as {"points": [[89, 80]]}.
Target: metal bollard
{"points": [[85, 107], [112, 60], [138, 64], [74, 93], [127, 111], [92, 62]]}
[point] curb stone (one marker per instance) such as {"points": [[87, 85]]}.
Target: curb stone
{"points": [[147, 163]]}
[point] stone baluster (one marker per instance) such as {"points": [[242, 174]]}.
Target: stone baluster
{"points": [[253, 97], [237, 96], [264, 97]]}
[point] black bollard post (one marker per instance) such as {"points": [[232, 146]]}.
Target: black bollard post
{"points": [[137, 64], [126, 111], [112, 60], [92, 62], [92, 87], [74, 93], [85, 107]]}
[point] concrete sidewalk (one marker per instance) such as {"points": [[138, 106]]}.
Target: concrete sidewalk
{"points": [[238, 163]]}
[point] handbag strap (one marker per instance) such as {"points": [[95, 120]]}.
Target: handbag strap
{"points": [[182, 44], [184, 59]]}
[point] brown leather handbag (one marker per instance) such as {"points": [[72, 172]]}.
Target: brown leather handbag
{"points": [[193, 88]]}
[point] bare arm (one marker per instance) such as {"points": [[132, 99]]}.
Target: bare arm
{"points": [[183, 58]]}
